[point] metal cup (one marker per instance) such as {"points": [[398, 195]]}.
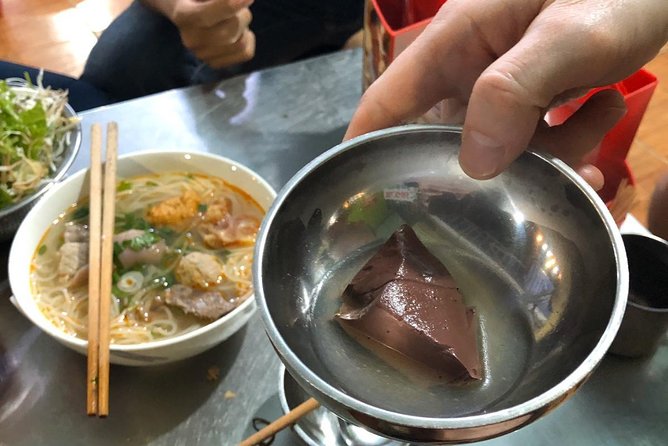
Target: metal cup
{"points": [[646, 317]]}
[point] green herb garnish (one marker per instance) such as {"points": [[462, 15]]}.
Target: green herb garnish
{"points": [[165, 281], [123, 186], [80, 213], [125, 222], [5, 197], [146, 240], [32, 136]]}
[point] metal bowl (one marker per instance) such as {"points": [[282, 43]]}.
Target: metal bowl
{"points": [[534, 250], [12, 216]]}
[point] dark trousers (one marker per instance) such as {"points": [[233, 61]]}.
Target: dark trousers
{"points": [[141, 51], [82, 95]]}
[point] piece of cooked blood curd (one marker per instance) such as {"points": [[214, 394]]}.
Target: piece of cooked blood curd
{"points": [[405, 299]]}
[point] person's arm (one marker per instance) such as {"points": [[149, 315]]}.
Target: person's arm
{"points": [[507, 62], [216, 31], [164, 7]]}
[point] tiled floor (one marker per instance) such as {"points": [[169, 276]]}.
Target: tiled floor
{"points": [[54, 34], [58, 34], [648, 157]]}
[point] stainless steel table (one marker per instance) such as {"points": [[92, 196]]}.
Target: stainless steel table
{"points": [[273, 121]]}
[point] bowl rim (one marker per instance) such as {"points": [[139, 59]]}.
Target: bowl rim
{"points": [[648, 238], [40, 321], [550, 397]]}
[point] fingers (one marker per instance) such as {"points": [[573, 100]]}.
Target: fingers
{"points": [[442, 63], [507, 63], [226, 43], [591, 175], [205, 14], [240, 51], [584, 130], [211, 42], [408, 77], [508, 99]]}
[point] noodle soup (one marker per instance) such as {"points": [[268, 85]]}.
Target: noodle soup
{"points": [[183, 250]]}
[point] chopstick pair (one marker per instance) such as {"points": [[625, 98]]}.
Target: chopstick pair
{"points": [[100, 258]]}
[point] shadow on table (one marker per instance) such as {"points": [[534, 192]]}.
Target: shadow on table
{"points": [[269, 411], [40, 379], [277, 143], [629, 388]]}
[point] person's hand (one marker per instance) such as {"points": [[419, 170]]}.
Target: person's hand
{"points": [[502, 64], [216, 31]]}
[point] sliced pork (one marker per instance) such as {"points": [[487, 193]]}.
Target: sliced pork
{"points": [[73, 256], [75, 233], [209, 305], [129, 257], [219, 228]]}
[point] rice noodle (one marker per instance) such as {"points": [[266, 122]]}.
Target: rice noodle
{"points": [[146, 318]]}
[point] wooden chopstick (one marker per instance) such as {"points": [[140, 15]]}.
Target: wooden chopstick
{"points": [[100, 269], [281, 423], [108, 217], [94, 232]]}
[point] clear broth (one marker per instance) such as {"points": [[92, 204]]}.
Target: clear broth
{"points": [[364, 370]]}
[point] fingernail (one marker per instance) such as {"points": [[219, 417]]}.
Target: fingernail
{"points": [[484, 155]]}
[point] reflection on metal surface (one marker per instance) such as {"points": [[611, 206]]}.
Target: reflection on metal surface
{"points": [[19, 392], [250, 95], [529, 268]]}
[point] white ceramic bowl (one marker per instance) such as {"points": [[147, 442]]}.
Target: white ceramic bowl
{"points": [[68, 192]]}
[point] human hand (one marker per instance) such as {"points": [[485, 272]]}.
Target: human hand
{"points": [[502, 64], [216, 31]]}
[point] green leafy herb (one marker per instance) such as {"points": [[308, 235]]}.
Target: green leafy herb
{"points": [[123, 186], [32, 133], [80, 213], [42, 250], [165, 233], [202, 207], [146, 240], [5, 197], [125, 299], [125, 222], [151, 183], [165, 281]]}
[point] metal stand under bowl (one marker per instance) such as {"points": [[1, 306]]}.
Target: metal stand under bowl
{"points": [[321, 426]]}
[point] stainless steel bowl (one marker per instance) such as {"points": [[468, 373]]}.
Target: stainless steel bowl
{"points": [[12, 216], [534, 250]]}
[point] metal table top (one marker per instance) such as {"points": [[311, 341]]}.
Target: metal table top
{"points": [[274, 121]]}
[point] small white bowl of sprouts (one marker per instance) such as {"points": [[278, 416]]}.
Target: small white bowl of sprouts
{"points": [[184, 237], [40, 136]]}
